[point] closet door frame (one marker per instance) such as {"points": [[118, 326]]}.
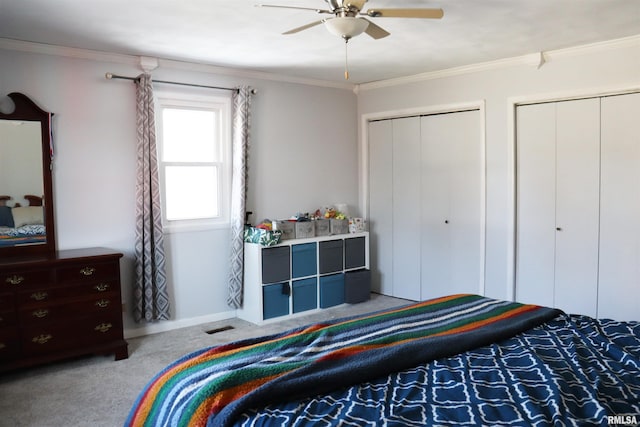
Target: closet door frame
{"points": [[512, 104], [418, 111]]}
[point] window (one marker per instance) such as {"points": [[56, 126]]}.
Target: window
{"points": [[194, 144]]}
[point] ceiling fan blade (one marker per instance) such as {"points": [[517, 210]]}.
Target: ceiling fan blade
{"points": [[375, 31], [405, 13], [294, 7], [304, 27]]}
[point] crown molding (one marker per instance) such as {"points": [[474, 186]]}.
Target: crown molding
{"points": [[537, 59], [69, 52], [137, 61]]}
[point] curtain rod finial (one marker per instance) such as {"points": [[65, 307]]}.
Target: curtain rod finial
{"points": [[108, 76]]}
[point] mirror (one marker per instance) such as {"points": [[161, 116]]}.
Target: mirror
{"points": [[26, 190]]}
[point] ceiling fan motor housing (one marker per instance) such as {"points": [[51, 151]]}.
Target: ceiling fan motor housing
{"points": [[346, 8]]}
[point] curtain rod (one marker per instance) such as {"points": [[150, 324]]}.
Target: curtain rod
{"points": [[110, 76]]}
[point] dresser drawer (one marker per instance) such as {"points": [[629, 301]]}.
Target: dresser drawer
{"points": [[6, 301], [101, 329], [59, 305], [19, 279], [9, 344], [88, 272], [70, 335], [7, 318], [53, 294], [47, 313]]}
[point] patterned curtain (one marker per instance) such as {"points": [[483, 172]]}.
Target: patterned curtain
{"points": [[240, 145], [151, 300]]}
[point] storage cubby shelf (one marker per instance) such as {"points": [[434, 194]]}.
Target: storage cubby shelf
{"points": [[300, 276]]}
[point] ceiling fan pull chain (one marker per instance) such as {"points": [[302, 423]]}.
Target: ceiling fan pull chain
{"points": [[346, 61]]}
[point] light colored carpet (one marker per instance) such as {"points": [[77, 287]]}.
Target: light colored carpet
{"points": [[96, 391]]}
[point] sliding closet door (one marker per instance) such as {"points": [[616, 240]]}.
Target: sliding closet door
{"points": [[451, 204], [406, 207], [380, 212], [536, 204], [577, 205], [619, 282]]}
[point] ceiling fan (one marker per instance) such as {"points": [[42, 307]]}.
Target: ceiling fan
{"points": [[347, 21]]}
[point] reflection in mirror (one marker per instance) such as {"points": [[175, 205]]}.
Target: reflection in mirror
{"points": [[26, 202]]}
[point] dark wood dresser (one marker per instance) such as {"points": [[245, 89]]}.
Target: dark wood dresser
{"points": [[59, 306]]}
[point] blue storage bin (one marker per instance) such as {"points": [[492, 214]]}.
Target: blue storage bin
{"points": [[305, 295], [303, 260], [331, 290], [275, 300]]}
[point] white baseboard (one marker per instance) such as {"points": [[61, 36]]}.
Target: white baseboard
{"points": [[169, 325]]}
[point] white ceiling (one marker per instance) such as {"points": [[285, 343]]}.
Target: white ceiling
{"points": [[235, 34]]}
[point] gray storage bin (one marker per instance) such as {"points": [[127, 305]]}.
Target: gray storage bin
{"points": [[357, 286], [354, 252], [331, 256], [339, 226], [288, 228], [305, 229], [323, 227], [276, 265]]}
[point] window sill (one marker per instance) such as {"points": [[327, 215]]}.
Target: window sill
{"points": [[188, 228]]}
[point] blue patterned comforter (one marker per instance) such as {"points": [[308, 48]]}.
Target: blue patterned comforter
{"points": [[573, 370]]}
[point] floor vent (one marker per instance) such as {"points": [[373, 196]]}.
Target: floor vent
{"points": [[222, 329]]}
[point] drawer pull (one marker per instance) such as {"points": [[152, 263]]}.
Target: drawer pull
{"points": [[101, 287], [87, 271], [42, 339], [15, 279], [103, 327], [40, 313], [2, 345], [39, 296], [102, 303]]}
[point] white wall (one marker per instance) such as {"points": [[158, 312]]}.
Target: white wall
{"points": [[596, 69], [303, 155], [304, 150]]}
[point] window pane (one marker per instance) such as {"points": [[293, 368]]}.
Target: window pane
{"points": [[188, 135], [190, 192]]}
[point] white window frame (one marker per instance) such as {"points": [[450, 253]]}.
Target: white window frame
{"points": [[203, 100]]}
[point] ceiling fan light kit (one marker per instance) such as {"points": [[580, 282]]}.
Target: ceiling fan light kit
{"points": [[347, 24]]}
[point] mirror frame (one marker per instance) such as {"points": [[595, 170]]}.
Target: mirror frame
{"points": [[27, 110]]}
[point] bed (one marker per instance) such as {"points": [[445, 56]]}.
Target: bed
{"points": [[456, 360], [22, 225]]}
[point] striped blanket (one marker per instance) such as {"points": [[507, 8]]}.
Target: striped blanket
{"points": [[214, 386]]}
